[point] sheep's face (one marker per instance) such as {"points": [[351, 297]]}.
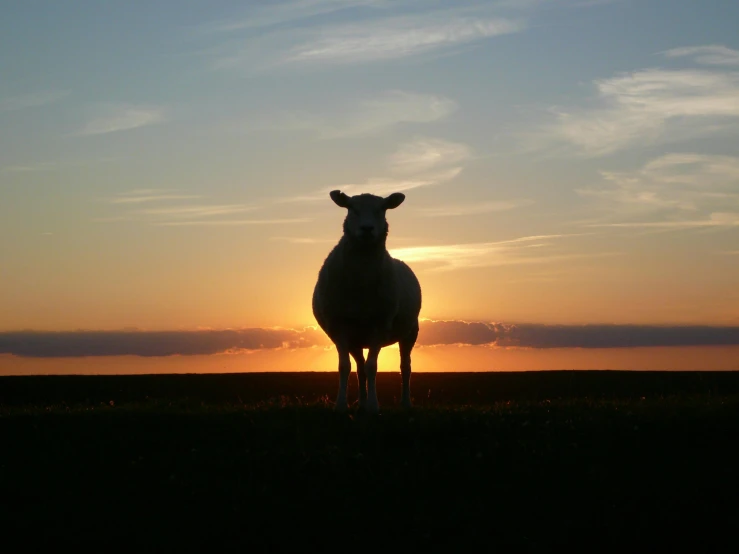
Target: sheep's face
{"points": [[365, 219]]}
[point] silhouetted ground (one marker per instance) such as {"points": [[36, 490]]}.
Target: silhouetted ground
{"points": [[517, 461]]}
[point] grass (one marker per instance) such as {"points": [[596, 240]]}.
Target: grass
{"points": [[519, 462]]}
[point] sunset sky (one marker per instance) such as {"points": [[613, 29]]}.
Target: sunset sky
{"points": [[165, 166]]}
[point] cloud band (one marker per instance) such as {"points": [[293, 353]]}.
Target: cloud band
{"points": [[48, 344]]}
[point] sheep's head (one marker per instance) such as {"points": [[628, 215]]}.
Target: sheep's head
{"points": [[365, 219]]}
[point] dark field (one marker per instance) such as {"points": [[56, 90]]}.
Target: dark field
{"points": [[608, 461]]}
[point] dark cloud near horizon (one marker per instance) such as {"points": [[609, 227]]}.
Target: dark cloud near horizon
{"points": [[532, 335], [47, 344], [50, 344]]}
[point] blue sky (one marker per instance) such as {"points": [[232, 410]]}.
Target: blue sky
{"points": [[152, 149]]}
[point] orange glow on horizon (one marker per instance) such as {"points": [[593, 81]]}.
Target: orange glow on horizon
{"points": [[425, 359]]}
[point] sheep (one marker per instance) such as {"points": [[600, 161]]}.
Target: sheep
{"points": [[364, 298]]}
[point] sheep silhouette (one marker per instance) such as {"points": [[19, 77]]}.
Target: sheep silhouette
{"points": [[364, 298]]}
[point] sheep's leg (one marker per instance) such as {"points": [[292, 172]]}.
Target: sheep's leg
{"points": [[345, 368], [370, 369], [358, 356], [405, 346]]}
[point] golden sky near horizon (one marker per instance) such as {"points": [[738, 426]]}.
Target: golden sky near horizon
{"points": [[230, 278]]}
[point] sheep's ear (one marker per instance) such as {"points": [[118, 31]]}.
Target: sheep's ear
{"points": [[394, 200], [341, 199]]}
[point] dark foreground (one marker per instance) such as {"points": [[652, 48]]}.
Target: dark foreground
{"points": [[607, 461]]}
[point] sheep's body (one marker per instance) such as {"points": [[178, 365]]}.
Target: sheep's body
{"points": [[365, 299]]}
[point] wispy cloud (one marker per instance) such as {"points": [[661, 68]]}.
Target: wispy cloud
{"points": [[112, 119], [472, 208], [179, 214], [53, 166], [297, 13], [398, 37], [392, 108], [715, 219], [370, 115], [31, 168], [645, 107], [523, 250], [711, 55], [378, 186], [590, 3], [232, 222], [112, 219], [31, 100], [279, 13], [698, 170], [385, 186], [531, 5], [303, 240], [519, 4], [140, 196], [682, 190], [434, 171], [197, 211], [301, 33], [423, 154], [437, 160], [311, 240]]}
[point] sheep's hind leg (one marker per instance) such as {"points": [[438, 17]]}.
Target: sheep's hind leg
{"points": [[345, 368], [358, 356], [406, 345], [370, 369]]}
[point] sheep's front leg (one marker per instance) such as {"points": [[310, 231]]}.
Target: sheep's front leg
{"points": [[370, 370], [345, 368], [358, 356]]}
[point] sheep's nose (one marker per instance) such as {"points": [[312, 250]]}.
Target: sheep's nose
{"points": [[366, 229]]}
